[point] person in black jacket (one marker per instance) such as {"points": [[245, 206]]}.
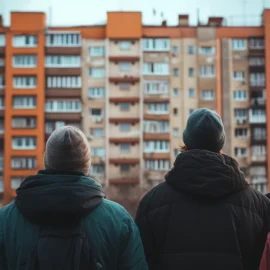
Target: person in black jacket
{"points": [[205, 215]]}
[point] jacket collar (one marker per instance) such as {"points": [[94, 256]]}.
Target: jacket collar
{"points": [[206, 174]]}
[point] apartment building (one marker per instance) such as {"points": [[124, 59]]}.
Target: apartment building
{"points": [[130, 87]]}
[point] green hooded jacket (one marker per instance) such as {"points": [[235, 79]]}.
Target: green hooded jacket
{"points": [[52, 197]]}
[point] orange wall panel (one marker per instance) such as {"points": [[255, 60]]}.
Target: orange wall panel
{"points": [[239, 32], [170, 32], [121, 25], [27, 21]]}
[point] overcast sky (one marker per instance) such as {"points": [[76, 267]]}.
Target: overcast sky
{"points": [[78, 12]]}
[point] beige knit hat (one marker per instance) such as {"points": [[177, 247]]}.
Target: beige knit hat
{"points": [[68, 149]]}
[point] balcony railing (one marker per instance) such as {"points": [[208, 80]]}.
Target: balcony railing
{"points": [[257, 119], [260, 183], [258, 158], [258, 101], [257, 83]]}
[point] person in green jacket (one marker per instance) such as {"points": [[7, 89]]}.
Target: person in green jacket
{"points": [[63, 194]]}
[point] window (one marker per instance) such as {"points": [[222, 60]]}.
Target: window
{"points": [[207, 71], [21, 143], [124, 86], [241, 133], [175, 72], [2, 40], [124, 106], [2, 127], [23, 102], [124, 168], [175, 111], [2, 62], [156, 146], [157, 165], [207, 50], [239, 44], [208, 95], [64, 82], [124, 127], [191, 50], [24, 122], [96, 72], [240, 114], [240, 95], [124, 147], [175, 92], [63, 106], [96, 112], [257, 79], [25, 41], [175, 50], [258, 151], [158, 108], [256, 61], [63, 40], [176, 132], [124, 66], [156, 126], [96, 51], [191, 92], [256, 43], [156, 68], [63, 61], [98, 132], [98, 170], [156, 87], [156, 44], [16, 182], [98, 152], [125, 45], [191, 72], [240, 152], [2, 103], [259, 133], [23, 163], [2, 81], [239, 75], [25, 61], [24, 82], [96, 92]]}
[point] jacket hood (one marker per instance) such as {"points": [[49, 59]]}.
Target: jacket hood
{"points": [[54, 198], [206, 174]]}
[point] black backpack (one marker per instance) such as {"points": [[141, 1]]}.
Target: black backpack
{"points": [[62, 249]]}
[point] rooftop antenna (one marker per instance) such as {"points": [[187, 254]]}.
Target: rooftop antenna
{"points": [[198, 17], [244, 10], [50, 16]]}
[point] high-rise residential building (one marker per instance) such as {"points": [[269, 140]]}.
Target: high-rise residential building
{"points": [[131, 87]]}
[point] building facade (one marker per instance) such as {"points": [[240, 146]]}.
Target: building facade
{"points": [[130, 87]]}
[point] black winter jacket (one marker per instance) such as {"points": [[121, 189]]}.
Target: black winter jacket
{"points": [[204, 216]]}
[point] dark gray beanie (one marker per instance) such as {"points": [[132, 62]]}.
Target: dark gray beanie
{"points": [[205, 131]]}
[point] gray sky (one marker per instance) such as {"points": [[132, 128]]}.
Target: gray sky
{"points": [[77, 12]]}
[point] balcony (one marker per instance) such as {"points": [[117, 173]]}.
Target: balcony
{"points": [[257, 119], [258, 83], [260, 183], [257, 158], [257, 102]]}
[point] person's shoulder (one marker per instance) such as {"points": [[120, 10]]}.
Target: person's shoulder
{"points": [[111, 209], [8, 209]]}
